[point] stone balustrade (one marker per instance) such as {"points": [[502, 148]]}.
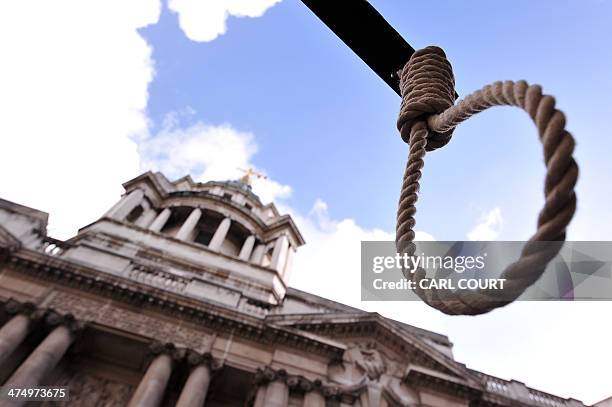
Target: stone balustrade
{"points": [[518, 391], [54, 247], [158, 278]]}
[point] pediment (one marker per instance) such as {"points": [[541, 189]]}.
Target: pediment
{"points": [[377, 346], [8, 240]]}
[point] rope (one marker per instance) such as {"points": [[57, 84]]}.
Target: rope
{"points": [[427, 119]]}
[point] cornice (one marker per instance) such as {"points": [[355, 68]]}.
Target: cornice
{"points": [[165, 258], [153, 253], [166, 197], [83, 278], [168, 257], [150, 178], [35, 214], [8, 243], [423, 377], [287, 220]]}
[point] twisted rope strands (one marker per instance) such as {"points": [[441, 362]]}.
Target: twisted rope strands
{"points": [[426, 121]]}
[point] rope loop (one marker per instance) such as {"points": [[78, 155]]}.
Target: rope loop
{"points": [[427, 85], [426, 121]]}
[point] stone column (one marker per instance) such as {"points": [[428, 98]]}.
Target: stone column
{"points": [[47, 355], [147, 217], [247, 248], [196, 387], [277, 394], [151, 389], [258, 253], [12, 334], [220, 234], [126, 204], [160, 220], [273, 390], [280, 252], [16, 329], [288, 263], [260, 397], [190, 224], [314, 399]]}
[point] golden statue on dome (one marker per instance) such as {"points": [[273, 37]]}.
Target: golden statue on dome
{"points": [[248, 173]]}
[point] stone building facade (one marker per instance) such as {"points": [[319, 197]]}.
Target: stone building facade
{"points": [[178, 296]]}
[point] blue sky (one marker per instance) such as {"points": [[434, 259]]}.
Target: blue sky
{"points": [[95, 93], [325, 124]]}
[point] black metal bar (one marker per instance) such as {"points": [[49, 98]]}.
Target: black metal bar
{"points": [[367, 33]]}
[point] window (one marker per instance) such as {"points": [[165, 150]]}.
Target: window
{"points": [[234, 240], [227, 197], [204, 236], [267, 258], [209, 222], [248, 207], [135, 214], [176, 220]]}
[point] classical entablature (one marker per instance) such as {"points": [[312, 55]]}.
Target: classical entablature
{"points": [[232, 199], [150, 305]]}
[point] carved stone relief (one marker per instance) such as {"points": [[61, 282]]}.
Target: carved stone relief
{"points": [[108, 314], [370, 365], [373, 360]]}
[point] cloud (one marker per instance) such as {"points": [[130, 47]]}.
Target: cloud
{"points": [[74, 78], [568, 341], [205, 20], [331, 257], [207, 152], [74, 94], [490, 226]]}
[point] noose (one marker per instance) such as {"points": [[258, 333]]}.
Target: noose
{"points": [[426, 121]]}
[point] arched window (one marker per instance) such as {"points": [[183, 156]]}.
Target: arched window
{"points": [[207, 227], [176, 220], [234, 240], [135, 214], [267, 257]]}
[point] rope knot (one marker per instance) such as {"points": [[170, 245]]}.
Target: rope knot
{"points": [[427, 85], [427, 117]]}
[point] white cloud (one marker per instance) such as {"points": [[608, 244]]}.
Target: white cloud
{"points": [[490, 226], [207, 152], [205, 20], [559, 347], [329, 263], [74, 79]]}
